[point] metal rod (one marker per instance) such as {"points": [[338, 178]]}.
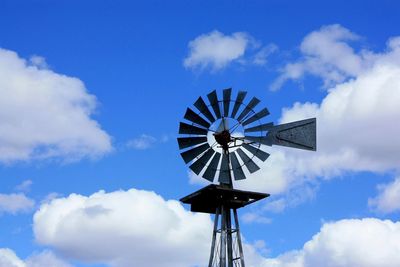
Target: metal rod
{"points": [[229, 236], [222, 262], [217, 213], [239, 239]]}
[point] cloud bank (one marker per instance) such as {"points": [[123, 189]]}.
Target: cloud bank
{"points": [[127, 228], [365, 242], [356, 121], [45, 114], [8, 258], [124, 228]]}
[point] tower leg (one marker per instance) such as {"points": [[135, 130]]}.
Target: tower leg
{"points": [[214, 237], [222, 254], [239, 239], [229, 237]]}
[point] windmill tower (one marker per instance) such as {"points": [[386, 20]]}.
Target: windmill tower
{"points": [[224, 140]]}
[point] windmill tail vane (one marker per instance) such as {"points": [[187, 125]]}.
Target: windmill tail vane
{"points": [[225, 140]]}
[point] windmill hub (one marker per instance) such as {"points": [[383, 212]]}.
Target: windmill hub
{"points": [[223, 138]]}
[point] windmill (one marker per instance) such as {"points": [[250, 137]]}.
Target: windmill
{"points": [[225, 140]]}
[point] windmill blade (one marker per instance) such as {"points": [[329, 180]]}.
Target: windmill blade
{"points": [[185, 128], [256, 151], [260, 128], [265, 140], [248, 108], [199, 164], [264, 112], [195, 118], [185, 142], [212, 97], [224, 170], [236, 167], [239, 100], [298, 134], [227, 101], [202, 107], [190, 154], [251, 166], [209, 174]]}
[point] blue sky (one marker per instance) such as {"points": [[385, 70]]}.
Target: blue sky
{"points": [[91, 95]]}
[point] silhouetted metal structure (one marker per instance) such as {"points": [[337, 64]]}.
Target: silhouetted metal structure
{"points": [[225, 139]]}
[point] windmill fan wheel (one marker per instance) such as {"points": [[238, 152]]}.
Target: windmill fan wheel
{"points": [[224, 136]]}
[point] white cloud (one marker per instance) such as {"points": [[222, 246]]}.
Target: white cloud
{"points": [[216, 50], [15, 203], [142, 142], [124, 228], [388, 199], [45, 114], [356, 130], [327, 53], [347, 243], [25, 186], [8, 258], [127, 228]]}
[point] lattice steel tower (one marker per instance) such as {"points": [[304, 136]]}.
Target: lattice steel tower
{"points": [[218, 140]]}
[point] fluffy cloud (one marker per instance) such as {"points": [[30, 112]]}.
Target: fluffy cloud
{"points": [[388, 199], [363, 243], [216, 50], [356, 125], [8, 258], [127, 228], [327, 53], [45, 114], [15, 203], [124, 228]]}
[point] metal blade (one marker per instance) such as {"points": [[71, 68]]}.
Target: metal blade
{"points": [[185, 142], [190, 154], [236, 167], [224, 170], [209, 174], [212, 97], [256, 116], [265, 140], [185, 128], [251, 166], [239, 100], [195, 118], [298, 134], [202, 107], [227, 101], [259, 128], [248, 108], [256, 151], [199, 164]]}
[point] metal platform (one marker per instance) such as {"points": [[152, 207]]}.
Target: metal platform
{"points": [[209, 198]]}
